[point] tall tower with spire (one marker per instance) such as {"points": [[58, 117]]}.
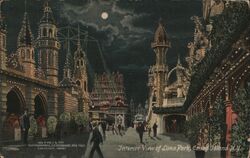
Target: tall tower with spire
{"points": [[48, 45], [160, 46], [3, 33], [25, 48], [80, 74]]}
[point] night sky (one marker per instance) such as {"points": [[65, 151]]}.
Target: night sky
{"points": [[125, 36]]}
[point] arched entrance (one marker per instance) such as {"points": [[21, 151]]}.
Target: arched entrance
{"points": [[174, 123], [15, 102], [40, 110], [14, 109]]}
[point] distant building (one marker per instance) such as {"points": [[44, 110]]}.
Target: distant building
{"points": [[108, 100]]}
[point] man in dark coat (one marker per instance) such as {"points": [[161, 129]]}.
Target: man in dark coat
{"points": [[96, 139], [140, 130], [25, 124], [119, 128], [104, 126], [155, 129]]}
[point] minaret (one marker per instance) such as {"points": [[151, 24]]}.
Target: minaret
{"points": [[160, 46], [48, 45], [80, 73], [25, 48], [3, 33]]}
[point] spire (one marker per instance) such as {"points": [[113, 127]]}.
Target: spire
{"points": [[160, 33], [68, 55], [178, 60], [25, 6], [2, 25], [25, 36], [78, 38], [47, 14]]}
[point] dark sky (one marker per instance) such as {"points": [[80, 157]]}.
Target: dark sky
{"points": [[124, 37]]}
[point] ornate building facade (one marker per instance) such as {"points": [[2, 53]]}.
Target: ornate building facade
{"points": [[108, 99], [29, 83], [215, 67], [225, 68], [163, 92]]}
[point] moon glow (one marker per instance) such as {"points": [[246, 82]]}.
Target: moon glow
{"points": [[104, 15]]}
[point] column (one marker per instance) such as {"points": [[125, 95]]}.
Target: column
{"points": [[229, 113], [160, 123], [52, 103], [30, 102]]}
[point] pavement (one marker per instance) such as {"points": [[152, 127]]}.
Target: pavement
{"points": [[129, 146], [126, 145], [163, 146]]}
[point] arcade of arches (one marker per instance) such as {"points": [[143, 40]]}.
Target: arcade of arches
{"points": [[15, 107]]}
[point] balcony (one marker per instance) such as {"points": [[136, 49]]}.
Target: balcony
{"points": [[173, 102]]}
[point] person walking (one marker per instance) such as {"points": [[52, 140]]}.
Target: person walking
{"points": [[119, 128], [96, 140], [155, 126], [140, 130], [90, 126], [104, 126], [149, 130], [113, 129], [25, 125]]}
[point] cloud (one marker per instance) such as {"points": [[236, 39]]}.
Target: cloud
{"points": [[119, 25], [128, 22]]}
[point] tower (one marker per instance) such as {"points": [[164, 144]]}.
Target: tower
{"points": [[160, 46], [3, 33], [80, 74], [25, 48], [48, 45]]}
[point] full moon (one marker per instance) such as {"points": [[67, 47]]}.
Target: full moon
{"points": [[104, 15]]}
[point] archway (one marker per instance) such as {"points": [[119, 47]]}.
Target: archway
{"points": [[15, 106], [15, 102], [174, 123], [40, 110]]}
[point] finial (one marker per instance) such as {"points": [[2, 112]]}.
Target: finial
{"points": [[46, 3], [78, 37], [161, 21], [46, 6], [178, 60]]}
